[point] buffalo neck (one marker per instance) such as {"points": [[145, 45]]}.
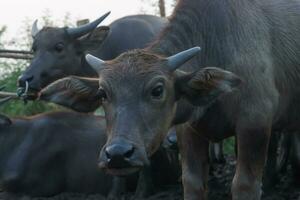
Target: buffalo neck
{"points": [[214, 25]]}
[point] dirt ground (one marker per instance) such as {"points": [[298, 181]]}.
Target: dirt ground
{"points": [[219, 183]]}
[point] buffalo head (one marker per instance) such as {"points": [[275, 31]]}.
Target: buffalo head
{"points": [[143, 95], [59, 52]]}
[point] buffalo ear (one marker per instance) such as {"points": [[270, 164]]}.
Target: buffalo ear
{"points": [[206, 85], [5, 121], [77, 93], [95, 38]]}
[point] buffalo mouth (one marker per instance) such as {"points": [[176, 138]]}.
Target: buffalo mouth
{"points": [[122, 171], [119, 171]]}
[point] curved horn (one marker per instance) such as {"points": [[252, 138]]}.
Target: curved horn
{"points": [[180, 58], [94, 62], [84, 29], [34, 29]]}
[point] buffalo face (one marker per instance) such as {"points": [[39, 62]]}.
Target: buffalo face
{"points": [[59, 52], [141, 94]]}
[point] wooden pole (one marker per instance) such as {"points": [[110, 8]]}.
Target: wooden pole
{"points": [[9, 94], [162, 8], [16, 56], [15, 51]]}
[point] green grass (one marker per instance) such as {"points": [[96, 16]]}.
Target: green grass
{"points": [[17, 107], [228, 146]]}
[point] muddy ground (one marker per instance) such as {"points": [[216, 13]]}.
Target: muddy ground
{"points": [[219, 183]]}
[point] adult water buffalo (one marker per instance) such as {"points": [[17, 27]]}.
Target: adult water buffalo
{"points": [[52, 153], [59, 52], [144, 93]]}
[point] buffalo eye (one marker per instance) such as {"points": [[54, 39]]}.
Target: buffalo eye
{"points": [[101, 94], [59, 47], [157, 92]]}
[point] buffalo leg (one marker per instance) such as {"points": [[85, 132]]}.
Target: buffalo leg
{"points": [[216, 154], [252, 153], [118, 187], [270, 174], [195, 163], [145, 186], [295, 157]]}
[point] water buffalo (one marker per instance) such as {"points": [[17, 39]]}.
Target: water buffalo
{"points": [[56, 152], [254, 46], [52, 153], [59, 52]]}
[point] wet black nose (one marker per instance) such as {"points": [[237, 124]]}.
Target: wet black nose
{"points": [[118, 155], [23, 79]]}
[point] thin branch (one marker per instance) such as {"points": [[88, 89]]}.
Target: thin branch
{"points": [[15, 51], [16, 56], [9, 94]]}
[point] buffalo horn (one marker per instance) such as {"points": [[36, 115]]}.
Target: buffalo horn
{"points": [[180, 58], [94, 62], [84, 29], [34, 29]]}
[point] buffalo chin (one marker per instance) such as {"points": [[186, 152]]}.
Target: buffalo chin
{"points": [[122, 171]]}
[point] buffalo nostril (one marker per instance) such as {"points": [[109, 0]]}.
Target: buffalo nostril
{"points": [[172, 139], [129, 153], [107, 153], [23, 79], [119, 151]]}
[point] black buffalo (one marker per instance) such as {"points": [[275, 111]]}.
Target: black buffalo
{"points": [[56, 152], [59, 52], [51, 153]]}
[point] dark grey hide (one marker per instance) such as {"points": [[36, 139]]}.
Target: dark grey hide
{"points": [[47, 154], [52, 153]]}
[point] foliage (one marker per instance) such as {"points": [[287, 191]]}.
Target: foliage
{"points": [[228, 146], [17, 107]]}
